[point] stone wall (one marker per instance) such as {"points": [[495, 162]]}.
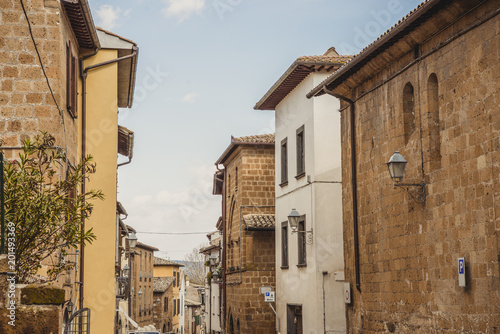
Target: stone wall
{"points": [[409, 250], [26, 104], [250, 264], [37, 308]]}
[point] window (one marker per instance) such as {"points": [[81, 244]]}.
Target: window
{"points": [[284, 245], [175, 307], [175, 280], [178, 278], [301, 168], [284, 162], [408, 111], [179, 306], [165, 304], [71, 81], [301, 237], [236, 177]]}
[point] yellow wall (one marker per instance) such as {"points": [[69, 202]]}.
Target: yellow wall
{"points": [[102, 129]]}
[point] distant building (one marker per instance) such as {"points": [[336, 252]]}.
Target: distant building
{"points": [[211, 299], [166, 268], [310, 262], [163, 295], [247, 188], [142, 288], [429, 89]]}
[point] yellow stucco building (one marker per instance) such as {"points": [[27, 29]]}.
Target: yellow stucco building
{"points": [[108, 80]]}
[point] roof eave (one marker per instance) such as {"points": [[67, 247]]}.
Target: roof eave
{"points": [[293, 68], [333, 80], [80, 17], [233, 146]]}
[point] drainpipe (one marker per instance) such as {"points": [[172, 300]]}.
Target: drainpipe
{"points": [[354, 183], [83, 75]]}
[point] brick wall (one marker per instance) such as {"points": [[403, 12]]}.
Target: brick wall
{"points": [[26, 105], [255, 268], [408, 250]]}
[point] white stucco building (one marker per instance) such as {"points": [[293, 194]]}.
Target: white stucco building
{"points": [[309, 266], [211, 301]]}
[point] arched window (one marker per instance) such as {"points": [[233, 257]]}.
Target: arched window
{"points": [[433, 119], [408, 111]]}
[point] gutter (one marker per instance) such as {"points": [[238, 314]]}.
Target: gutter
{"points": [[354, 183]]}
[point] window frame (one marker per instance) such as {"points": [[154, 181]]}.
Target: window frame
{"points": [[301, 156], [284, 162], [71, 82], [284, 245], [301, 242]]}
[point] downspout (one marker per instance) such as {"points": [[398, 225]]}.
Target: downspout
{"points": [[83, 75], [354, 183]]}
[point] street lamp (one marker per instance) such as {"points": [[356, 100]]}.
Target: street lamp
{"points": [[213, 260], [293, 221], [126, 271], [396, 165], [132, 240]]}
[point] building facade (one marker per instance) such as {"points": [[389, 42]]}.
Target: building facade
{"points": [[163, 295], [247, 188], [167, 268], [142, 287], [49, 51], [427, 88], [309, 262], [211, 299]]}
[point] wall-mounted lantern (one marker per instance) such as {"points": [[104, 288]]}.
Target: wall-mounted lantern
{"points": [[293, 221], [396, 165]]}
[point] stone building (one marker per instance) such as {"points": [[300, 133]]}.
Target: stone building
{"points": [[310, 262], [427, 88], [49, 51], [247, 188], [167, 268], [163, 295], [142, 286]]}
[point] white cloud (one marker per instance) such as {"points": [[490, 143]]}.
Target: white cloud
{"points": [[190, 98], [108, 16], [192, 208], [183, 9]]}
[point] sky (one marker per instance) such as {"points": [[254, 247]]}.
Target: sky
{"points": [[203, 64]]}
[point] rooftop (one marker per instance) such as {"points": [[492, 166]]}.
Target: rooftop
{"points": [[158, 261], [161, 284], [259, 222], [297, 72], [265, 139]]}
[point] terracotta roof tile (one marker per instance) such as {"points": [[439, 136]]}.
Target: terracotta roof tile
{"points": [[161, 284], [158, 261], [255, 221], [326, 59], [257, 139]]}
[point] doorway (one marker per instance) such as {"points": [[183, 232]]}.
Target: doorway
{"points": [[294, 319]]}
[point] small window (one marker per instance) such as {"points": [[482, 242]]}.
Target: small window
{"points": [[408, 111], [301, 168], [175, 307], [284, 245], [301, 237], [71, 81], [178, 278], [174, 284], [284, 162], [179, 306], [165, 304]]}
